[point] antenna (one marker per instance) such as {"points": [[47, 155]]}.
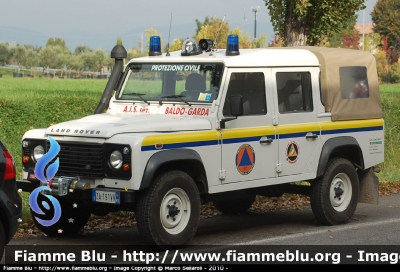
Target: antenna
{"points": [[216, 39], [169, 35], [244, 19]]}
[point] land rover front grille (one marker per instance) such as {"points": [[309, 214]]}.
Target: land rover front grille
{"points": [[83, 160]]}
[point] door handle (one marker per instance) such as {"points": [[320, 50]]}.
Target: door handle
{"points": [[266, 141], [311, 136]]}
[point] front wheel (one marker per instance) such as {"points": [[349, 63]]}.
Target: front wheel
{"points": [[334, 196], [74, 217], [168, 213]]}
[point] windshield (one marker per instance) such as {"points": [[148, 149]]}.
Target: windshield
{"points": [[186, 82]]}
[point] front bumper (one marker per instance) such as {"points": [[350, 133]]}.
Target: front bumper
{"points": [[79, 191]]}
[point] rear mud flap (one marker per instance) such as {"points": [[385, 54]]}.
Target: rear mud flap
{"points": [[369, 186]]}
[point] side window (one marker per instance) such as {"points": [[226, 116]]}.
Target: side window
{"points": [[294, 92], [353, 82], [251, 86]]}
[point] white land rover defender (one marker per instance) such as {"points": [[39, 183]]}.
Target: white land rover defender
{"points": [[221, 125]]}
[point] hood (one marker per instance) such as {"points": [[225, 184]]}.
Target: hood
{"points": [[106, 125]]}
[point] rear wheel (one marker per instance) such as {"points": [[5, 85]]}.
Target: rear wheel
{"points": [[334, 196], [168, 213], [235, 206], [74, 217]]}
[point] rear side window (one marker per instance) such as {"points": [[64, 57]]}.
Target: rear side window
{"points": [[294, 92], [353, 82]]}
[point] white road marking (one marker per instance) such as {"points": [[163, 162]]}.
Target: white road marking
{"points": [[325, 230]]}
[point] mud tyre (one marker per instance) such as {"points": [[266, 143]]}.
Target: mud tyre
{"points": [[168, 213], [334, 196]]}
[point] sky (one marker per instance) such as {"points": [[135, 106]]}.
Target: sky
{"points": [[98, 23]]}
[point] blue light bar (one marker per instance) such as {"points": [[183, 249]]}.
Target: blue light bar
{"points": [[155, 46], [232, 45]]}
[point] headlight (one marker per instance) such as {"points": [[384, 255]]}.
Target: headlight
{"points": [[38, 152], [116, 159]]}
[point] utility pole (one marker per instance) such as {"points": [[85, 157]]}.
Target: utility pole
{"points": [[363, 30], [141, 44], [255, 10]]}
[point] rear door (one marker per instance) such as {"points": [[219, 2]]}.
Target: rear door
{"points": [[297, 125]]}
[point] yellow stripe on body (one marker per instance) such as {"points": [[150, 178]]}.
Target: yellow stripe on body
{"points": [[298, 128], [351, 124], [187, 137], [247, 132]]}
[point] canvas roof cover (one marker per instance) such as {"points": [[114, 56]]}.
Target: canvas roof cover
{"points": [[334, 60]]}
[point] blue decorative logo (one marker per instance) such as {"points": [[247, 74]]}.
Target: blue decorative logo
{"points": [[36, 205]]}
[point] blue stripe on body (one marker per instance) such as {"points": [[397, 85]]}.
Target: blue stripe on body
{"points": [[296, 135], [245, 140], [351, 130]]}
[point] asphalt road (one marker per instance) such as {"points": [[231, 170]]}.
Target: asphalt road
{"points": [[370, 225]]}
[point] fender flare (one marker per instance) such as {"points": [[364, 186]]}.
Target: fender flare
{"points": [[168, 156], [333, 143]]}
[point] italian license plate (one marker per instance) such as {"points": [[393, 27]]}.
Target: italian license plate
{"points": [[106, 197]]}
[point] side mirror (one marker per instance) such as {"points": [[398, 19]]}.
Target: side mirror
{"points": [[236, 102]]}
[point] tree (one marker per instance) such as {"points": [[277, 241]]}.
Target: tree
{"points": [[49, 57], [76, 63], [4, 54], [176, 45], [259, 42], [372, 42], [306, 22], [89, 61], [385, 16], [352, 40], [335, 39], [82, 49], [56, 42], [244, 41], [214, 29], [101, 60], [199, 24], [18, 55], [32, 58]]}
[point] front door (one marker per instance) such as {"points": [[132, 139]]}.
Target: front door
{"points": [[248, 143]]}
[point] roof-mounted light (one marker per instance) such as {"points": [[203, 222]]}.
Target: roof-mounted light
{"points": [[206, 44], [155, 46], [190, 48], [232, 45]]}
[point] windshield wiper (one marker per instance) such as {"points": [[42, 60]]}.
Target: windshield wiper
{"points": [[138, 95], [177, 96]]}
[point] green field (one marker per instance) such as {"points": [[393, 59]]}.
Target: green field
{"points": [[390, 97], [28, 103]]}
